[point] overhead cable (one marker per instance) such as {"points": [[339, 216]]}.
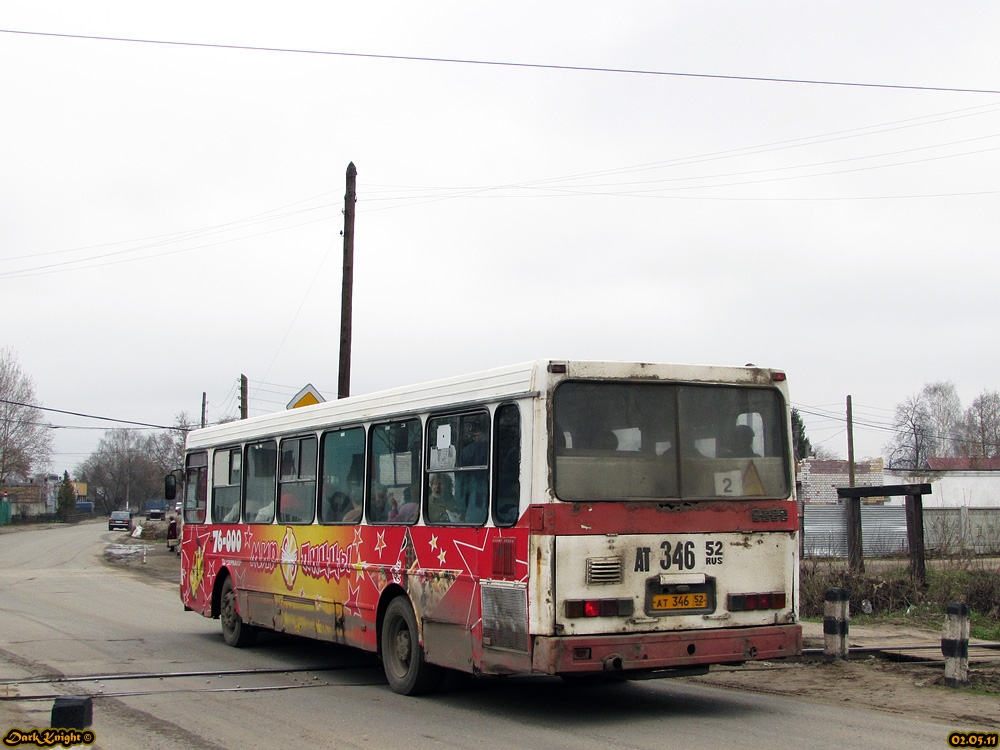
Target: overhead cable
{"points": [[502, 63]]}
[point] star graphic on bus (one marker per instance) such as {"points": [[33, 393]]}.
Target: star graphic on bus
{"points": [[441, 558], [434, 541], [351, 605], [380, 544]]}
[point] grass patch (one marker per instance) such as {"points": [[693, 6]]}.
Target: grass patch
{"points": [[885, 593]]}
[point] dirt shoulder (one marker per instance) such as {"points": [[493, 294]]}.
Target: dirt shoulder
{"points": [[867, 681], [148, 558]]}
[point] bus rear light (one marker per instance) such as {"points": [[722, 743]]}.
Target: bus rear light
{"points": [[504, 557], [778, 376], [751, 602], [599, 608], [581, 654]]}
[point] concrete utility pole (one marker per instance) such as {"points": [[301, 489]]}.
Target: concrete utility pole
{"points": [[346, 302], [244, 410], [204, 407]]}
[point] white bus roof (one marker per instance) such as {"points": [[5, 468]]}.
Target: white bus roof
{"points": [[513, 381]]}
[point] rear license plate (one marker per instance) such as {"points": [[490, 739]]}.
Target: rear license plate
{"points": [[680, 601]]}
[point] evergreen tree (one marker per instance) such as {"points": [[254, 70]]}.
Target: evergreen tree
{"points": [[802, 445], [66, 499]]}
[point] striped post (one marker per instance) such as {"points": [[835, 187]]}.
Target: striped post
{"points": [[836, 623], [955, 645]]}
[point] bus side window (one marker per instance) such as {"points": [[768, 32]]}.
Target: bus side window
{"points": [[297, 484], [343, 469], [394, 471], [196, 488], [457, 473], [226, 485], [259, 479], [506, 465]]}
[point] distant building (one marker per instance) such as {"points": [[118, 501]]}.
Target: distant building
{"points": [[35, 497], [818, 479], [955, 482]]}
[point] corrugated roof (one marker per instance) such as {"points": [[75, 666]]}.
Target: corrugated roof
{"points": [[964, 464]]}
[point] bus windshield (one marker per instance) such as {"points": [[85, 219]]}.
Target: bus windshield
{"points": [[654, 441]]}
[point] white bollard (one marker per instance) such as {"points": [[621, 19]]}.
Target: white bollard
{"points": [[836, 624], [955, 645]]}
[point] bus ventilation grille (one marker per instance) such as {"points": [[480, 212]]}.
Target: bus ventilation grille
{"points": [[505, 616], [602, 570]]}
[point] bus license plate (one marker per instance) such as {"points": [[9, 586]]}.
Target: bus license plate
{"points": [[680, 601]]}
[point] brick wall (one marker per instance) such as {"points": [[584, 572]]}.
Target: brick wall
{"points": [[818, 480]]}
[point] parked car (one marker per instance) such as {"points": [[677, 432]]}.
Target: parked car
{"points": [[120, 519]]}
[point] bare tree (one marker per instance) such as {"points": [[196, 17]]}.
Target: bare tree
{"points": [[914, 440], [822, 453], [981, 426], [944, 408], [123, 471], [25, 437], [927, 424], [167, 447]]}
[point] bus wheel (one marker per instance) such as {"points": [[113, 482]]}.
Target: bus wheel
{"points": [[235, 632], [402, 656]]}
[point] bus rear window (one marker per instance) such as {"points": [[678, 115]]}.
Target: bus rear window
{"points": [[653, 441]]}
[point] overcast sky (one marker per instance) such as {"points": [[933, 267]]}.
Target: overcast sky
{"points": [[170, 214]]}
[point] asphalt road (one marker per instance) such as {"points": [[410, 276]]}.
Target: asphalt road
{"points": [[63, 611]]}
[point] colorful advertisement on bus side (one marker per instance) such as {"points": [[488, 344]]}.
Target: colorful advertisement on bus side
{"points": [[349, 565]]}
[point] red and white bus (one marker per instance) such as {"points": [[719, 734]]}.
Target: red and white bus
{"points": [[557, 517]]}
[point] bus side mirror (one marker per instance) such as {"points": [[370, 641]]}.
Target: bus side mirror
{"points": [[170, 487]]}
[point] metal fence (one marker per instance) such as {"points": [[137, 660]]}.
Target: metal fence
{"points": [[957, 530], [883, 530]]}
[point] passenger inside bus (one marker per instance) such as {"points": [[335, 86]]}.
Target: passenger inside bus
{"points": [[440, 500], [742, 442], [354, 514], [405, 513], [335, 507], [378, 511]]}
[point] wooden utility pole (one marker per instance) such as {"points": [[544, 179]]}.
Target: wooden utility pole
{"points": [[347, 301], [855, 549], [915, 539], [204, 407], [850, 441], [244, 410]]}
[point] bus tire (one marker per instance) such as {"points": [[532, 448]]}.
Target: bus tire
{"points": [[403, 660], [235, 632]]}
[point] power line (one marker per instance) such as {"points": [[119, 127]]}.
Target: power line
{"points": [[503, 63], [94, 416]]}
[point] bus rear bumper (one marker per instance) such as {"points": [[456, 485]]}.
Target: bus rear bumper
{"points": [[648, 651]]}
